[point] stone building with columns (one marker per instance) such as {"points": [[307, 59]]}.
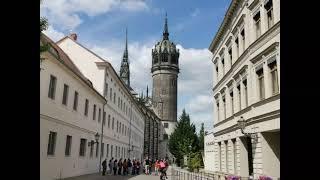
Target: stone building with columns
{"points": [[246, 60]]}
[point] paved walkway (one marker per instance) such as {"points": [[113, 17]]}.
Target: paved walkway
{"points": [[97, 176]]}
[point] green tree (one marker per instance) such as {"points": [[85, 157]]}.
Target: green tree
{"points": [[201, 137], [183, 136], [43, 26]]}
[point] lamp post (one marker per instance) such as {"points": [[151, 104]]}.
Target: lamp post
{"points": [[242, 125]]}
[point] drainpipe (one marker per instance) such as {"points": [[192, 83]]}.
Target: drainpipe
{"points": [[103, 118]]}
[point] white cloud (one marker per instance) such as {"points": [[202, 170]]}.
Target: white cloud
{"points": [[65, 13], [53, 34], [194, 82]]}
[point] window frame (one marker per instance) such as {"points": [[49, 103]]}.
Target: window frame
{"points": [[65, 95], [75, 100], [68, 146], [52, 140], [52, 87]]}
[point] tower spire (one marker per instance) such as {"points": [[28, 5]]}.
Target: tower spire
{"points": [[166, 31], [124, 69]]}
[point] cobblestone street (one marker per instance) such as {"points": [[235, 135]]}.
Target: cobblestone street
{"points": [[142, 176]]}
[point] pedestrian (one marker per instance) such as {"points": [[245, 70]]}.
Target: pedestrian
{"points": [[138, 167], [151, 166], [134, 164], [156, 167], [146, 165], [115, 166], [120, 166], [129, 166], [125, 166], [110, 165], [104, 167]]}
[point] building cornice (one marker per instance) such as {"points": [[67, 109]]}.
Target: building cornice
{"points": [[249, 108], [250, 50]]}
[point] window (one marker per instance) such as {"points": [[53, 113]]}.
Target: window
{"points": [[109, 121], [117, 126], [261, 83], [125, 130], [218, 112], [91, 148], [269, 10], [257, 24], [230, 54], [224, 107], [245, 92], [165, 136], [105, 90], [114, 98], [239, 96], [237, 46], [86, 107], [65, 94], [97, 149], [274, 77], [111, 151], [116, 153], [99, 115], [166, 125], [94, 112], [118, 102], [104, 118], [68, 145], [243, 39], [75, 101], [110, 94], [52, 143], [52, 87], [217, 70], [102, 149], [222, 62], [231, 102], [112, 123], [82, 150], [107, 150], [121, 104]]}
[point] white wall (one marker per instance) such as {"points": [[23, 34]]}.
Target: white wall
{"points": [[209, 156], [99, 76], [65, 121]]}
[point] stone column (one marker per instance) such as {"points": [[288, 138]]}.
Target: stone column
{"points": [[267, 79], [243, 157], [263, 18], [228, 101], [257, 156], [226, 59], [234, 49], [249, 84], [242, 96], [220, 69], [278, 65], [240, 42]]}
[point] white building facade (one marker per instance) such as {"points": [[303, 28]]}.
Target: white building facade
{"points": [[71, 113], [209, 152], [125, 121], [246, 58]]}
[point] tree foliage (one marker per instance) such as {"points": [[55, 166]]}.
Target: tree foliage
{"points": [[201, 137], [43, 26], [183, 136]]}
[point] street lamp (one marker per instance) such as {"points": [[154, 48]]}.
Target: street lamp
{"points": [[96, 137], [242, 125]]}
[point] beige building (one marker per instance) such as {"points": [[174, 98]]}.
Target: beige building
{"points": [[246, 59], [72, 112], [125, 120]]}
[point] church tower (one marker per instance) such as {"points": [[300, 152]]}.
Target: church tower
{"points": [[165, 69], [124, 69]]}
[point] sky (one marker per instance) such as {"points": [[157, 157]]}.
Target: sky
{"points": [[100, 26]]}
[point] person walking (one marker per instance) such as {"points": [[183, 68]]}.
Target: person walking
{"points": [[156, 167], [134, 164], [146, 166], [110, 165], [104, 167], [115, 166], [125, 166], [120, 166], [129, 166], [138, 167]]}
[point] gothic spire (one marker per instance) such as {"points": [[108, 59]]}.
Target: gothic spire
{"points": [[166, 31], [124, 69], [147, 91]]}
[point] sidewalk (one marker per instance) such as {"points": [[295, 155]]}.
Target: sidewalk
{"points": [[142, 176]]}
